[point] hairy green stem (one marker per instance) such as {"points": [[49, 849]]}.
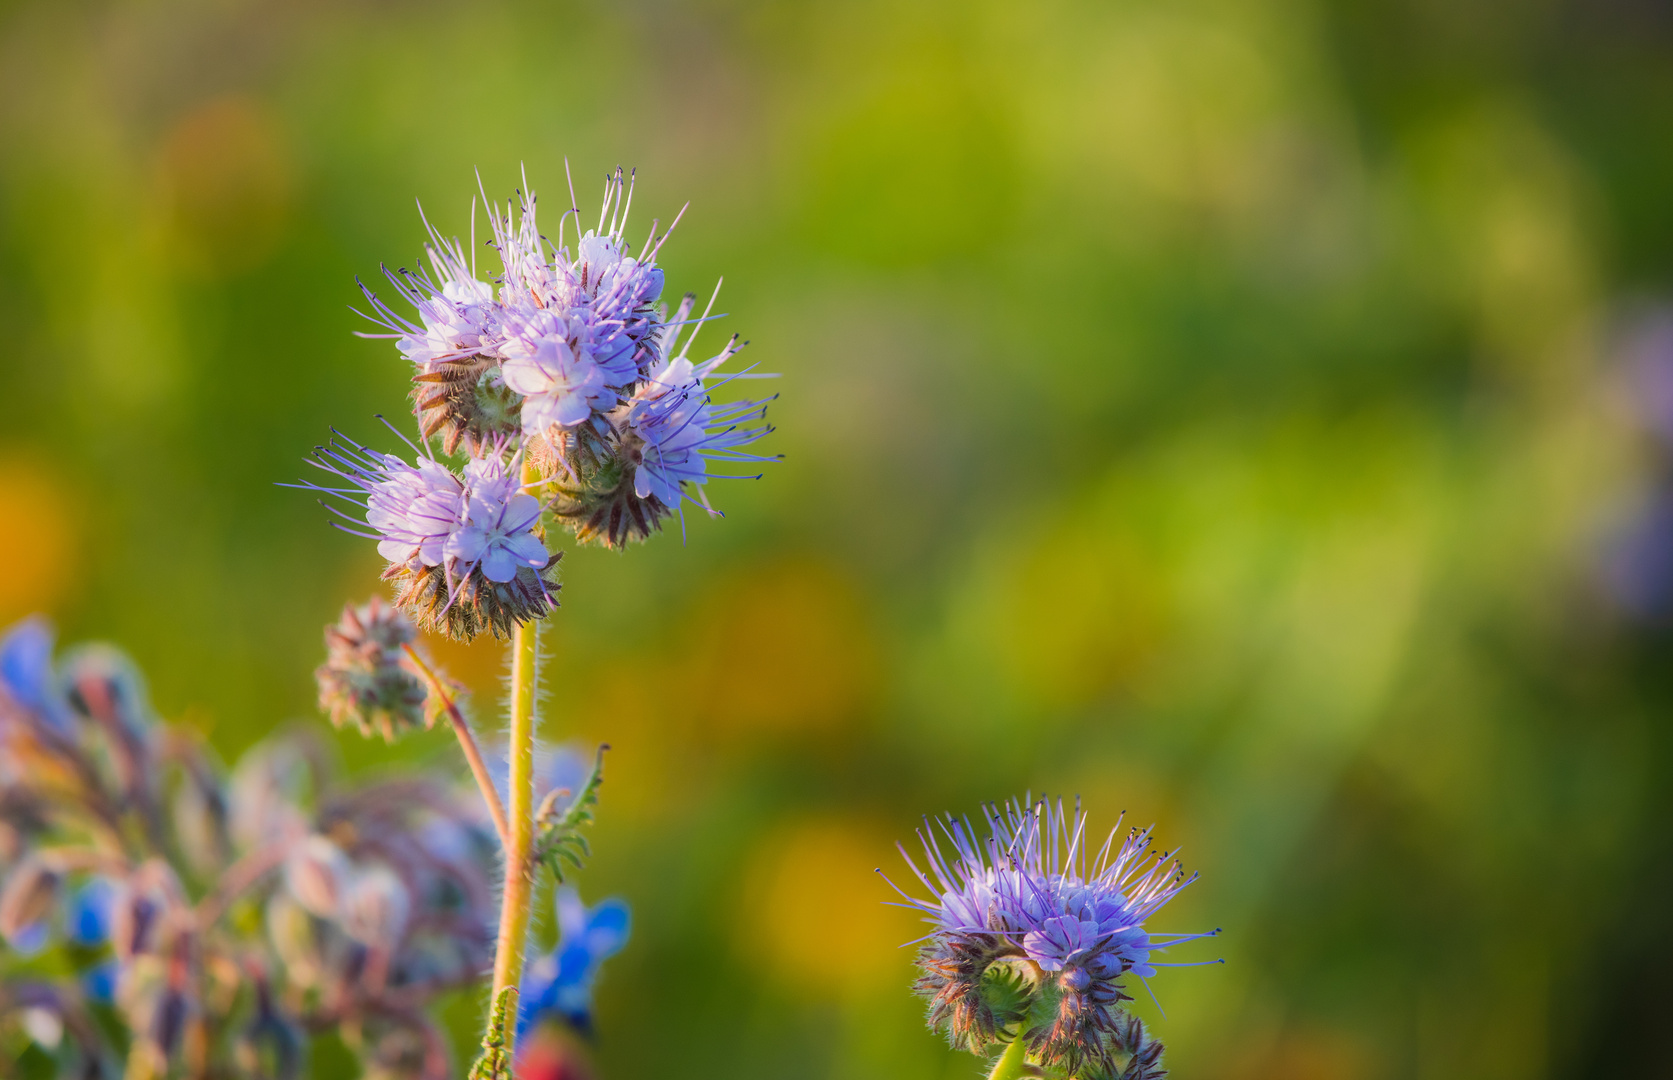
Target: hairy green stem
{"points": [[519, 875], [1013, 1063]]}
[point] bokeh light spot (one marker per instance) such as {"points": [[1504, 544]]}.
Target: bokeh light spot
{"points": [[226, 182], [813, 908], [39, 540]]}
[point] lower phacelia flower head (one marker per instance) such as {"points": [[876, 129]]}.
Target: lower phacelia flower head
{"points": [[367, 679], [465, 550], [1033, 936]]}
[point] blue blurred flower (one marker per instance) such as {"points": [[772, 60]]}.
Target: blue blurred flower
{"points": [[26, 669], [99, 982], [558, 985], [87, 919]]}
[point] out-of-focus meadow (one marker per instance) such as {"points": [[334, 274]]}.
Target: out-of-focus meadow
{"points": [[1247, 415]]}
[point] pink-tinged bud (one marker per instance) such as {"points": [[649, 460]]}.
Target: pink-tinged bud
{"points": [[30, 892], [317, 873], [375, 907]]}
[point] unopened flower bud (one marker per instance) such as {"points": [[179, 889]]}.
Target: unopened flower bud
{"points": [[375, 907], [30, 894], [366, 679], [291, 930], [265, 794], [316, 873], [88, 916]]}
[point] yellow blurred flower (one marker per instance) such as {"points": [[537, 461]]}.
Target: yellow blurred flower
{"points": [[225, 179], [784, 648], [812, 912], [40, 540]]}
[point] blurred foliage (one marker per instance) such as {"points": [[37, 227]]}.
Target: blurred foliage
{"points": [[1215, 409]]}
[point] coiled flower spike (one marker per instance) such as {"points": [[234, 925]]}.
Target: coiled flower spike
{"points": [[457, 389], [1032, 937], [619, 478]]}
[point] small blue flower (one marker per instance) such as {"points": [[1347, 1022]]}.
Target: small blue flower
{"points": [[26, 670], [99, 983], [89, 911], [558, 985]]}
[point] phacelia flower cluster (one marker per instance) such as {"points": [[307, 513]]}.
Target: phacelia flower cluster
{"points": [[210, 923], [1034, 934], [570, 390], [573, 355]]}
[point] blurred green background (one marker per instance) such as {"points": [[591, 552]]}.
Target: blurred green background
{"points": [[1243, 414]]}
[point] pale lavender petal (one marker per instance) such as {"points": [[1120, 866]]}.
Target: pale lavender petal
{"points": [[499, 564]]}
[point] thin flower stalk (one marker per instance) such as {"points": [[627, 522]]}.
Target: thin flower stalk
{"points": [[467, 743]]}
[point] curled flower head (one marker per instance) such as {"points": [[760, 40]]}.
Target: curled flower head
{"points": [[453, 347], [1031, 930], [465, 551], [617, 480], [367, 679]]}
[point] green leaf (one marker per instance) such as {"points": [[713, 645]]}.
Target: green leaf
{"points": [[495, 1062], [558, 840]]}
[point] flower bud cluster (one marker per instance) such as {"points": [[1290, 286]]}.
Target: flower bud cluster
{"points": [[1033, 937], [220, 918], [367, 679]]}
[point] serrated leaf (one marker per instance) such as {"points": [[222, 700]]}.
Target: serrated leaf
{"points": [[558, 840]]}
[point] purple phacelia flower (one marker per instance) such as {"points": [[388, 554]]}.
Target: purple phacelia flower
{"points": [[621, 476], [497, 534], [578, 328], [465, 551], [454, 347], [1033, 933], [548, 360], [678, 428]]}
